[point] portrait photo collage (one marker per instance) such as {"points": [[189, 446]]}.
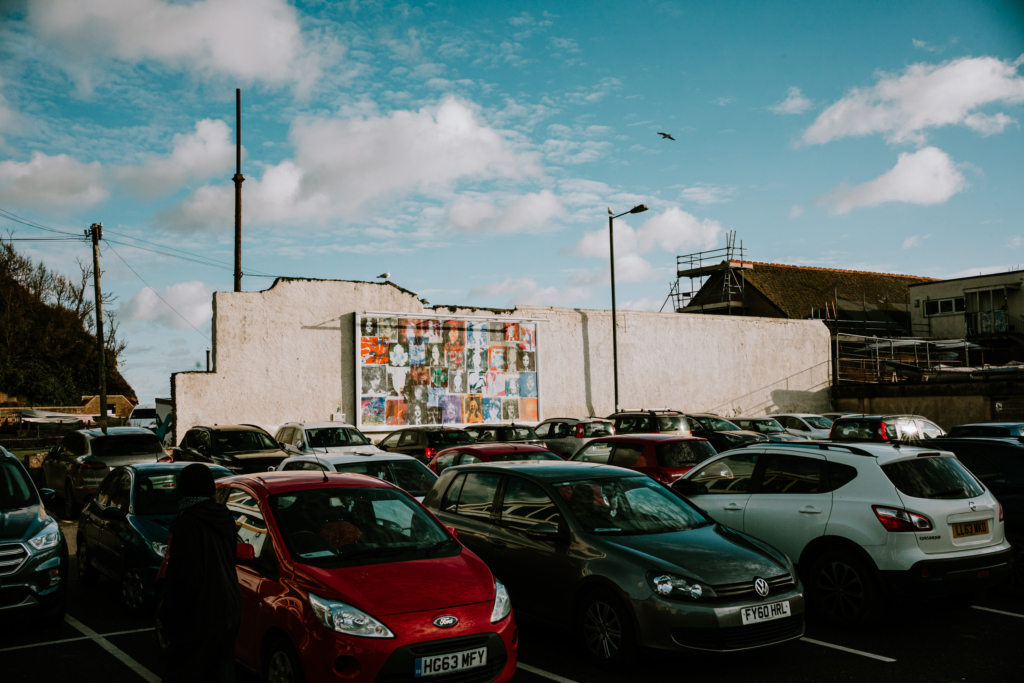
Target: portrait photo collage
{"points": [[446, 372]]}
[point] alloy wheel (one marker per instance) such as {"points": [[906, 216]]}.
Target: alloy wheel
{"points": [[82, 554], [131, 589], [280, 669], [602, 630], [841, 591]]}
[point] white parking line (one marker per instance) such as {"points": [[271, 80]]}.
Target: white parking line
{"points": [[847, 649], [146, 674], [71, 640], [999, 611], [542, 672]]}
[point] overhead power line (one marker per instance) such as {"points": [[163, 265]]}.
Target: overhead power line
{"points": [[4, 213]]}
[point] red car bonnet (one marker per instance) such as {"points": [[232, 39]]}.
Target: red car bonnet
{"points": [[403, 587]]}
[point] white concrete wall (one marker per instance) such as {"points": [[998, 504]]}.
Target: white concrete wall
{"points": [[287, 354]]}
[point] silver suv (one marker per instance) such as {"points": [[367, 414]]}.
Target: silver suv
{"points": [[306, 438], [566, 435]]}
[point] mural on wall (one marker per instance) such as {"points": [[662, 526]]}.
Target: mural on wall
{"points": [[437, 371]]}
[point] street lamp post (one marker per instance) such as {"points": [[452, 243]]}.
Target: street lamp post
{"points": [[640, 208]]}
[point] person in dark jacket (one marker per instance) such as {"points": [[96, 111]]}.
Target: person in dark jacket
{"points": [[201, 609]]}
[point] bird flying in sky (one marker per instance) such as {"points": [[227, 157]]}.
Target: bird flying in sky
{"points": [[667, 136]]}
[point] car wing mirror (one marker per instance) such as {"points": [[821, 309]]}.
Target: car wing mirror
{"points": [[113, 513], [687, 487], [245, 551], [53, 450], [47, 495], [453, 531]]}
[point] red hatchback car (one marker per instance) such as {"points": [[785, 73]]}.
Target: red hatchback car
{"points": [[660, 456], [348, 578], [492, 452]]}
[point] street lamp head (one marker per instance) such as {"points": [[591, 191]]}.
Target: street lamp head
{"points": [[639, 208]]}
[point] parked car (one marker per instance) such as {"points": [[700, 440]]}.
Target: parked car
{"points": [[566, 435], [351, 577], [807, 425], [243, 449], [405, 472], [85, 457], [143, 415], [861, 522], [987, 430], [625, 562], [832, 417], [721, 433], [660, 456], [424, 442], [650, 422], [303, 438], [512, 433], [884, 428], [33, 552], [123, 530], [498, 452], [768, 426]]}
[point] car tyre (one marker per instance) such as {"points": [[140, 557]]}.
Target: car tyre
{"points": [[71, 508], [283, 665], [133, 596], [605, 628], [843, 590], [87, 574]]}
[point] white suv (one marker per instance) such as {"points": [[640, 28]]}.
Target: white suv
{"points": [[306, 438], [861, 522]]}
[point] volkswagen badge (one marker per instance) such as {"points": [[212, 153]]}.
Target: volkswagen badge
{"points": [[447, 621], [761, 587]]}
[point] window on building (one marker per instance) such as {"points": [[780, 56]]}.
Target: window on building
{"points": [[944, 306]]}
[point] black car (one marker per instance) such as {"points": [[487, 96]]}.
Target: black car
{"points": [[424, 442], [123, 530], [243, 449], [624, 560], [722, 434], [33, 552], [504, 434], [999, 465], [987, 430]]}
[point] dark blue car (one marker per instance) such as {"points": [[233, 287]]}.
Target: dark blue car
{"points": [[123, 530]]}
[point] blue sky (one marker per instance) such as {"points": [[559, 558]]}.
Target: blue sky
{"points": [[472, 150]]}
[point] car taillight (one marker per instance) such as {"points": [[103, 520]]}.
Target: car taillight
{"points": [[881, 432], [579, 431], [430, 453], [661, 476], [1000, 512], [165, 458], [895, 519], [93, 465]]}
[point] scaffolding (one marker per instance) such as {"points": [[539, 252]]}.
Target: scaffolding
{"points": [[693, 271]]}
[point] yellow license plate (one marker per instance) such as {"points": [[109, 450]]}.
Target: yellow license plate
{"points": [[970, 529]]}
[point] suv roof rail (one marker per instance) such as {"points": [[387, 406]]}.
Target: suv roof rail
{"points": [[824, 446]]}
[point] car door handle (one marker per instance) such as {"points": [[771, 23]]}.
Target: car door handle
{"points": [[733, 506], [810, 510], [499, 544]]}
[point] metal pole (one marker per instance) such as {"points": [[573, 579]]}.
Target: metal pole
{"points": [[615, 332], [207, 358], [96, 229], [238, 189]]}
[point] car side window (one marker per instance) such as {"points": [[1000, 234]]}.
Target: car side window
{"points": [[450, 501], [908, 429], [731, 474], [203, 444], [290, 466], [979, 465], [559, 430], [525, 505], [392, 440], [625, 455], [797, 424], [929, 430], [409, 438], [476, 500], [542, 430], [103, 494], [121, 493], [791, 474], [75, 445], [469, 459], [287, 436], [595, 452], [250, 525], [839, 475], [445, 461]]}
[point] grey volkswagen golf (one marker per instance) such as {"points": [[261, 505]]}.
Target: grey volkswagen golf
{"points": [[623, 560]]}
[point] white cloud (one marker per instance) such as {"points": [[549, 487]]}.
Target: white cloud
{"points": [[703, 193], [193, 300], [596, 93], [251, 40], [341, 164], [925, 177], [526, 291], [565, 44], [796, 211], [1014, 242], [573, 152], [526, 213], [9, 119], [988, 125], [47, 182], [195, 156], [722, 101], [795, 103], [914, 241], [983, 270], [903, 106], [921, 45]]}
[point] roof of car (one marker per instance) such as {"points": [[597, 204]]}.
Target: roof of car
{"points": [[317, 425], [550, 470], [754, 417], [876, 449], [171, 466], [991, 424], [794, 415], [642, 411], [298, 480], [646, 437], [987, 442], [231, 428], [116, 431], [345, 458], [576, 419], [431, 429], [497, 448]]}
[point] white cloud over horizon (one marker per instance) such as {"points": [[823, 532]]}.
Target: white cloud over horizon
{"points": [[530, 212], [795, 103], [193, 300], [47, 183], [194, 156], [526, 291]]}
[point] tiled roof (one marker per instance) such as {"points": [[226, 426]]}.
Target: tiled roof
{"points": [[798, 289]]}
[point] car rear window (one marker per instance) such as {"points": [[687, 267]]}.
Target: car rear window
{"points": [[128, 444], [683, 453], [143, 414], [932, 477], [449, 436], [524, 455], [669, 423], [980, 430], [597, 429], [521, 433], [860, 430]]}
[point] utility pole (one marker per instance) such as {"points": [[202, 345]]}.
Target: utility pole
{"points": [[615, 331], [238, 189], [96, 231]]}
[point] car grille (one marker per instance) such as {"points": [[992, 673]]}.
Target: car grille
{"points": [[12, 557], [745, 589], [399, 667], [740, 637]]}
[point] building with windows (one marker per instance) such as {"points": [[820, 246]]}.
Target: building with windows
{"points": [[986, 308]]}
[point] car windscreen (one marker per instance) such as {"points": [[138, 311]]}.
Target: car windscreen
{"points": [[817, 421], [449, 436], [408, 475], [156, 493], [595, 429], [16, 491], [717, 424], [126, 444], [761, 426], [240, 441], [523, 455], [346, 526], [330, 437], [627, 506], [683, 453], [143, 414], [520, 433], [860, 430], [932, 477]]}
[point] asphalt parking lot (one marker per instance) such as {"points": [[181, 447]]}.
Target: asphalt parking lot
{"points": [[99, 642]]}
